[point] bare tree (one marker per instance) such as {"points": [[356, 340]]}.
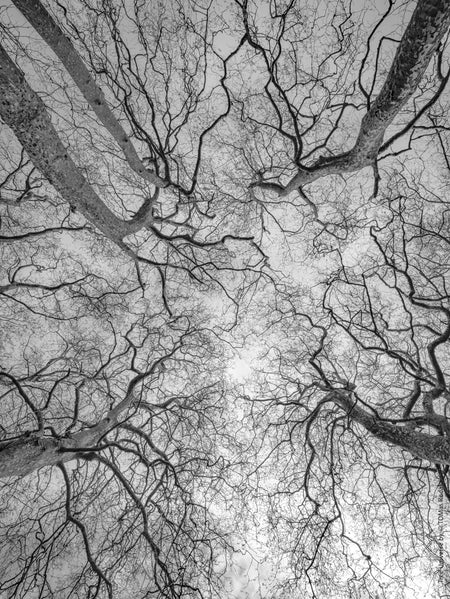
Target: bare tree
{"points": [[150, 230], [129, 450], [352, 399]]}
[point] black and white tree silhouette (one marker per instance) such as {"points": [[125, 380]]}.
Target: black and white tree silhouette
{"points": [[184, 183]]}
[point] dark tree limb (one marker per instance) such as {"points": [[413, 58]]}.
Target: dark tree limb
{"points": [[31, 452], [25, 113], [433, 448], [427, 27], [50, 32]]}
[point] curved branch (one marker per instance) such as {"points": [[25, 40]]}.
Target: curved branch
{"points": [[433, 448], [31, 452], [47, 28], [25, 113], [427, 27]]}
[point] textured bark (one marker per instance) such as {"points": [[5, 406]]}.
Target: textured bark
{"points": [[26, 454], [44, 24], [32, 452], [23, 110], [433, 448], [425, 31]]}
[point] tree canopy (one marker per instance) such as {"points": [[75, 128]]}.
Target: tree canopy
{"points": [[224, 234]]}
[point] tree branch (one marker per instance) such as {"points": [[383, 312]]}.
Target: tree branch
{"points": [[427, 27], [433, 448], [25, 113], [44, 24]]}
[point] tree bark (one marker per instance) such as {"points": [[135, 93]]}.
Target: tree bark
{"points": [[50, 32], [31, 452], [433, 448], [25, 113], [427, 27]]}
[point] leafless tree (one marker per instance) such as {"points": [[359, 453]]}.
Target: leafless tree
{"points": [[352, 399], [184, 179]]}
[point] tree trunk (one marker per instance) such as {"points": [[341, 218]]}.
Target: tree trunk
{"points": [[34, 451], [433, 448], [44, 24], [23, 110], [427, 27]]}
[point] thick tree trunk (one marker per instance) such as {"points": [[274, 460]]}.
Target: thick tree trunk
{"points": [[433, 448], [32, 452], [23, 110], [44, 24], [27, 454], [427, 27]]}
